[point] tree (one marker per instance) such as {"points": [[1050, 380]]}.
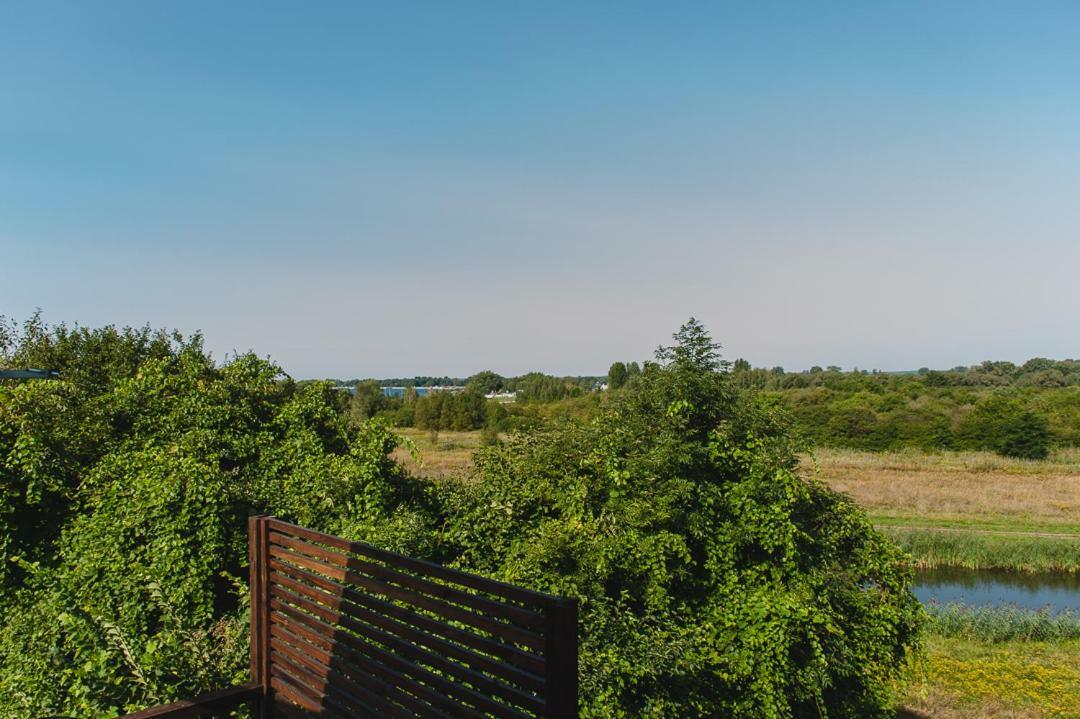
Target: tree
{"points": [[1003, 425], [713, 580], [693, 348], [617, 375], [368, 400], [486, 382]]}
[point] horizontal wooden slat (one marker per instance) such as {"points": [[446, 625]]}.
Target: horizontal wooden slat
{"points": [[492, 586], [414, 652], [203, 704], [333, 691], [490, 607], [284, 687], [327, 680], [365, 687], [362, 660], [525, 662], [509, 632], [331, 619], [387, 683], [384, 615]]}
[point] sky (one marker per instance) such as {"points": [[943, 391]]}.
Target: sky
{"points": [[393, 189]]}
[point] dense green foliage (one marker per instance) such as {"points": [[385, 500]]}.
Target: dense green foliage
{"points": [[460, 411], [713, 580], [617, 375], [1013, 410], [124, 488]]}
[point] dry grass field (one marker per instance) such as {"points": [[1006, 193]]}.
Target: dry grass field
{"points": [[968, 509], [960, 486], [437, 454]]}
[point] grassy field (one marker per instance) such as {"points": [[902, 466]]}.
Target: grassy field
{"points": [[968, 509], [437, 454], [958, 486], [965, 679]]}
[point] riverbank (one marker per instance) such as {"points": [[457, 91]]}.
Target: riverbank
{"points": [[933, 548], [996, 663]]}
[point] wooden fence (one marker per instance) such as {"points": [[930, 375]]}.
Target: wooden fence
{"points": [[343, 629]]}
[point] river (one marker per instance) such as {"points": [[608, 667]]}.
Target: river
{"points": [[1055, 591]]}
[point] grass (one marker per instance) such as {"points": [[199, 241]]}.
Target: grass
{"points": [[995, 625], [966, 509], [935, 548], [957, 486], [440, 454], [966, 679]]}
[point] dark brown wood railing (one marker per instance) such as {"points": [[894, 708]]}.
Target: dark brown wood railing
{"points": [[220, 703], [343, 629]]}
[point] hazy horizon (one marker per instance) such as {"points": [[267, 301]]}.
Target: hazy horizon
{"points": [[383, 191]]}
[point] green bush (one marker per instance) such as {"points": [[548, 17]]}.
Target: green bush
{"points": [[713, 581], [124, 491], [1002, 424]]}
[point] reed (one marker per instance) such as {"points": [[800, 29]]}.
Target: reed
{"points": [[1002, 624], [932, 548]]}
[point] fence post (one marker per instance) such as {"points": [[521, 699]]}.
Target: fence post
{"points": [[561, 654], [258, 581]]}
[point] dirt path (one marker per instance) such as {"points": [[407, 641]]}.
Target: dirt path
{"points": [[966, 530]]}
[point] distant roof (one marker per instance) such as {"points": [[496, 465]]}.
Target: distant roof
{"points": [[28, 373]]}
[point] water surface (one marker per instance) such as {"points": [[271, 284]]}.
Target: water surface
{"points": [[1056, 591]]}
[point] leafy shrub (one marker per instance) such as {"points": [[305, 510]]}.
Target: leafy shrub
{"points": [[1003, 425], [713, 580], [124, 491]]}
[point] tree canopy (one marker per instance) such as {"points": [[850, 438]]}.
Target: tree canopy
{"points": [[714, 580]]}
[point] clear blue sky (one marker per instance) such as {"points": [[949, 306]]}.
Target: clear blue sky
{"points": [[373, 189]]}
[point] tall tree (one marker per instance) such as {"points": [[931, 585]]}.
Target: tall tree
{"points": [[617, 375]]}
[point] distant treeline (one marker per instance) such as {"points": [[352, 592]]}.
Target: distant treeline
{"points": [[1036, 372], [490, 380], [1018, 410], [469, 409]]}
